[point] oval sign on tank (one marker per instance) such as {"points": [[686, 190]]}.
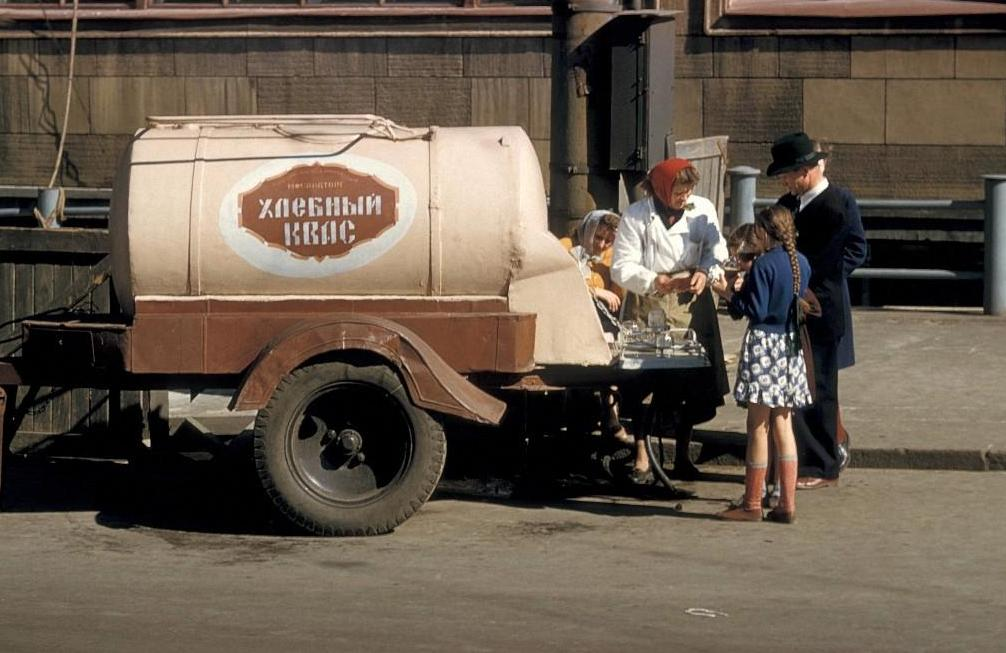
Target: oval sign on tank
{"points": [[317, 216]]}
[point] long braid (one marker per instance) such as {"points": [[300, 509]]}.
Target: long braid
{"points": [[777, 221], [787, 235], [779, 226]]}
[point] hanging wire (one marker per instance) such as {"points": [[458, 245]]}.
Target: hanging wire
{"points": [[69, 95]]}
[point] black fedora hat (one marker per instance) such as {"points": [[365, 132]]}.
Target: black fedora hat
{"points": [[793, 151]]}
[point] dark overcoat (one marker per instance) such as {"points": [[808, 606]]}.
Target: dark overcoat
{"points": [[830, 235]]}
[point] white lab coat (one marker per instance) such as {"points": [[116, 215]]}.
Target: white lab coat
{"points": [[644, 246]]}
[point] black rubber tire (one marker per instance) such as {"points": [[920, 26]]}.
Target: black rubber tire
{"points": [[324, 487]]}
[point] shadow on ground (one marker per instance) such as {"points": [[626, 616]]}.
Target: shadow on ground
{"points": [[219, 491], [218, 494]]}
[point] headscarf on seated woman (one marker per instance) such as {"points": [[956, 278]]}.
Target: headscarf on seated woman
{"points": [[583, 250]]}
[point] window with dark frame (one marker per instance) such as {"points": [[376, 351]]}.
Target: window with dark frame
{"points": [[859, 8], [724, 17]]}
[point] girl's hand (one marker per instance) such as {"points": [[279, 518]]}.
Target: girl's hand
{"points": [[720, 286], [738, 282], [698, 282], [610, 299]]}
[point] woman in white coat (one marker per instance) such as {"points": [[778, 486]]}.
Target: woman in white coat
{"points": [[669, 246]]}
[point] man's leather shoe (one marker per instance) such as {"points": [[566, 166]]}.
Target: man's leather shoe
{"points": [[813, 482]]}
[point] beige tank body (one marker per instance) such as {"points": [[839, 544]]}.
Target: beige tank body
{"points": [[272, 207]]}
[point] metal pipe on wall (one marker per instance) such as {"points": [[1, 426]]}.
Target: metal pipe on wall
{"points": [[572, 24]]}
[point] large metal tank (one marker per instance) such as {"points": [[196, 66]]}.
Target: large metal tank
{"points": [[263, 208]]}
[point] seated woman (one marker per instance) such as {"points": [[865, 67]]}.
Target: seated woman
{"points": [[590, 245]]}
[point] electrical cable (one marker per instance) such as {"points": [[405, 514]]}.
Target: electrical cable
{"points": [[69, 95]]}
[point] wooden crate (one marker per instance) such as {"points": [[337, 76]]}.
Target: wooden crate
{"points": [[709, 155]]}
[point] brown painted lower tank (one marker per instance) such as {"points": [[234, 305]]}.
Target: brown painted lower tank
{"points": [[273, 209]]}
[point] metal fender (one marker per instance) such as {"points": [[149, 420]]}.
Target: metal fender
{"points": [[432, 384]]}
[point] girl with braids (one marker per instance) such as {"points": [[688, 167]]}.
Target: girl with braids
{"points": [[772, 373]]}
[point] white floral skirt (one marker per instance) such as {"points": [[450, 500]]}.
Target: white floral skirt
{"points": [[771, 371]]}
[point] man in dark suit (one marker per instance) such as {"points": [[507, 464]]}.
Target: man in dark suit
{"points": [[830, 235]]}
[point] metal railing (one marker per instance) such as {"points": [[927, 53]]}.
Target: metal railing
{"points": [[743, 202], [20, 203]]}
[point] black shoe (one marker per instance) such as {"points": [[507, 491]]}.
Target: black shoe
{"points": [[781, 517], [641, 477], [685, 472]]}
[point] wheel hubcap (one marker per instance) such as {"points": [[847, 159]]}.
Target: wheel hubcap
{"points": [[353, 442]]}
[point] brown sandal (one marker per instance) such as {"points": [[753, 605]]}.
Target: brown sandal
{"points": [[740, 513]]}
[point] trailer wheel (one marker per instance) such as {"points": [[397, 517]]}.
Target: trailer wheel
{"points": [[341, 450]]}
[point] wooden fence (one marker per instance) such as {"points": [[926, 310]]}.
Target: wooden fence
{"points": [[44, 273]]}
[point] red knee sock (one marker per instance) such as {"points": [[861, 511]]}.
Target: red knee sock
{"points": [[754, 483], [787, 469]]}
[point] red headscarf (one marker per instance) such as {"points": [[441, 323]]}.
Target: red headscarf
{"points": [[662, 177]]}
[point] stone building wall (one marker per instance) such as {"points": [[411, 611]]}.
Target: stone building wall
{"points": [[907, 116], [413, 81], [914, 116]]}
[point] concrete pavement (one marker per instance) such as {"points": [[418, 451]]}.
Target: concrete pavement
{"points": [[100, 558], [928, 390]]}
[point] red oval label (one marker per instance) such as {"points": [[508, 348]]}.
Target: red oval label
{"points": [[318, 211]]}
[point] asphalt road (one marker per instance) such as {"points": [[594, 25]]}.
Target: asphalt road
{"points": [[95, 560]]}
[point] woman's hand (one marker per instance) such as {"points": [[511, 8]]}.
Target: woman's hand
{"points": [[610, 299], [665, 283]]}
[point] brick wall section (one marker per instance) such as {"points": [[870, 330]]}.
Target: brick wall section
{"points": [[14, 118], [910, 116], [228, 58], [891, 107], [351, 57], [315, 95], [414, 81], [847, 110], [814, 58]]}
